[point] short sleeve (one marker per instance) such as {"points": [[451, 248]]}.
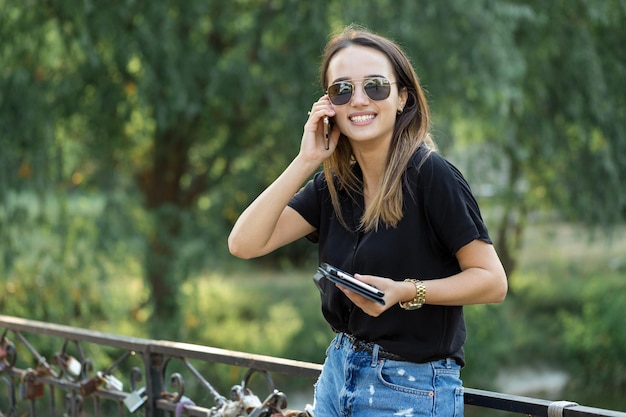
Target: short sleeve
{"points": [[452, 211], [307, 202]]}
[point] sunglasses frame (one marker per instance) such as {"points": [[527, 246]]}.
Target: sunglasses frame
{"points": [[384, 83]]}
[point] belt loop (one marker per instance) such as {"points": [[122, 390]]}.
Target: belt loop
{"points": [[375, 355], [339, 340]]}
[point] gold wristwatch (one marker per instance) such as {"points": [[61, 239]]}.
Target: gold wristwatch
{"points": [[420, 296]]}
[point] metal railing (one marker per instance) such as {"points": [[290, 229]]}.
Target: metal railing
{"points": [[73, 377]]}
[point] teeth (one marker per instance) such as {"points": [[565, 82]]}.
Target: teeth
{"points": [[360, 119]]}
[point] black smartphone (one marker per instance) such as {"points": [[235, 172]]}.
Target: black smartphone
{"points": [[328, 126], [344, 279]]}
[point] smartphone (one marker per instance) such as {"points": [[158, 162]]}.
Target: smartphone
{"points": [[346, 280], [328, 126]]}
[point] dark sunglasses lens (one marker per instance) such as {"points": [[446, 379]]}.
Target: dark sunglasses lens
{"points": [[377, 88], [340, 93]]}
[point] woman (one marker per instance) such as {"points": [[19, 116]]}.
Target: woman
{"points": [[390, 210]]}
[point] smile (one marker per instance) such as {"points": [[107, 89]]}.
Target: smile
{"points": [[362, 119]]}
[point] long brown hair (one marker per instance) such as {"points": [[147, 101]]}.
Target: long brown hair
{"points": [[412, 130]]}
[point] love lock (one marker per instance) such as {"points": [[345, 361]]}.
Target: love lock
{"points": [[274, 403], [73, 366], [30, 387], [8, 354], [111, 382], [242, 399], [135, 399], [70, 364], [89, 385]]}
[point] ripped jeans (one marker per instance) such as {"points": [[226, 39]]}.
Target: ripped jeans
{"points": [[356, 383]]}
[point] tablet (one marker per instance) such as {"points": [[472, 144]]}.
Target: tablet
{"points": [[346, 280]]}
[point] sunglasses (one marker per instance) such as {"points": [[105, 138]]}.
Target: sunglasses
{"points": [[377, 88]]}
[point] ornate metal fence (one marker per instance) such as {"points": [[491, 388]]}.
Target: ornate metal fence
{"points": [[71, 384]]}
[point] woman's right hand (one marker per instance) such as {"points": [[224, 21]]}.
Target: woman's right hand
{"points": [[313, 145]]}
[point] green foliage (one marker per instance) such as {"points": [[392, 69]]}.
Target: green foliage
{"points": [[258, 312], [53, 266], [574, 322], [180, 106], [564, 311], [563, 321], [133, 134], [593, 337], [488, 345]]}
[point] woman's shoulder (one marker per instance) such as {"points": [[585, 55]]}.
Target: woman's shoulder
{"points": [[426, 160], [427, 166]]}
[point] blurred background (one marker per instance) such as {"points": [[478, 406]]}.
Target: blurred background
{"points": [[133, 133]]}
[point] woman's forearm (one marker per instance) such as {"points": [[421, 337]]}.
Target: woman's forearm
{"points": [[258, 229]]}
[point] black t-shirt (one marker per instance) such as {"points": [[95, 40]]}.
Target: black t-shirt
{"points": [[440, 217]]}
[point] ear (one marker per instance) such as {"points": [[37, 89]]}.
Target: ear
{"points": [[403, 96]]}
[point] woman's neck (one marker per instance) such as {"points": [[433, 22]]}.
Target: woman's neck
{"points": [[372, 161]]}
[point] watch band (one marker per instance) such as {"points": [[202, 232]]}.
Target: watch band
{"points": [[420, 296]]}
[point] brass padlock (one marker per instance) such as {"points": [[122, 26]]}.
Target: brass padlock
{"points": [[30, 387], [89, 385]]}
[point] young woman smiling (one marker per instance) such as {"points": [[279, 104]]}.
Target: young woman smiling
{"points": [[390, 210]]}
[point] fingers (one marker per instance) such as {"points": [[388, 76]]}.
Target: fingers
{"points": [[321, 108], [316, 130], [371, 308], [368, 306]]}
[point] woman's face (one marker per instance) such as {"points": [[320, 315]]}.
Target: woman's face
{"points": [[363, 119]]}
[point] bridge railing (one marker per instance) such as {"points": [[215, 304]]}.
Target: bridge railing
{"points": [[71, 384]]}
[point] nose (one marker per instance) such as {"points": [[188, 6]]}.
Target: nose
{"points": [[359, 97]]}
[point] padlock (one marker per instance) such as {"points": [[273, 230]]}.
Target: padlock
{"points": [[135, 399], [7, 354], [249, 401], [30, 388], [89, 385], [111, 382], [72, 366]]}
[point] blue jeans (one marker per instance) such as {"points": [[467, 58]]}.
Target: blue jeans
{"points": [[356, 383]]}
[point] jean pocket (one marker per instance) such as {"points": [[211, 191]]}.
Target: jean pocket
{"points": [[449, 399], [416, 379]]}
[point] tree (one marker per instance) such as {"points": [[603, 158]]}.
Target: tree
{"points": [[177, 96], [558, 132], [183, 111]]}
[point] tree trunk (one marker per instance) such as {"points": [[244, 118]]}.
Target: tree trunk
{"points": [[161, 188], [510, 230]]}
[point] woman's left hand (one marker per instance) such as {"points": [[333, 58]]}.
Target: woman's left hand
{"points": [[395, 291]]}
